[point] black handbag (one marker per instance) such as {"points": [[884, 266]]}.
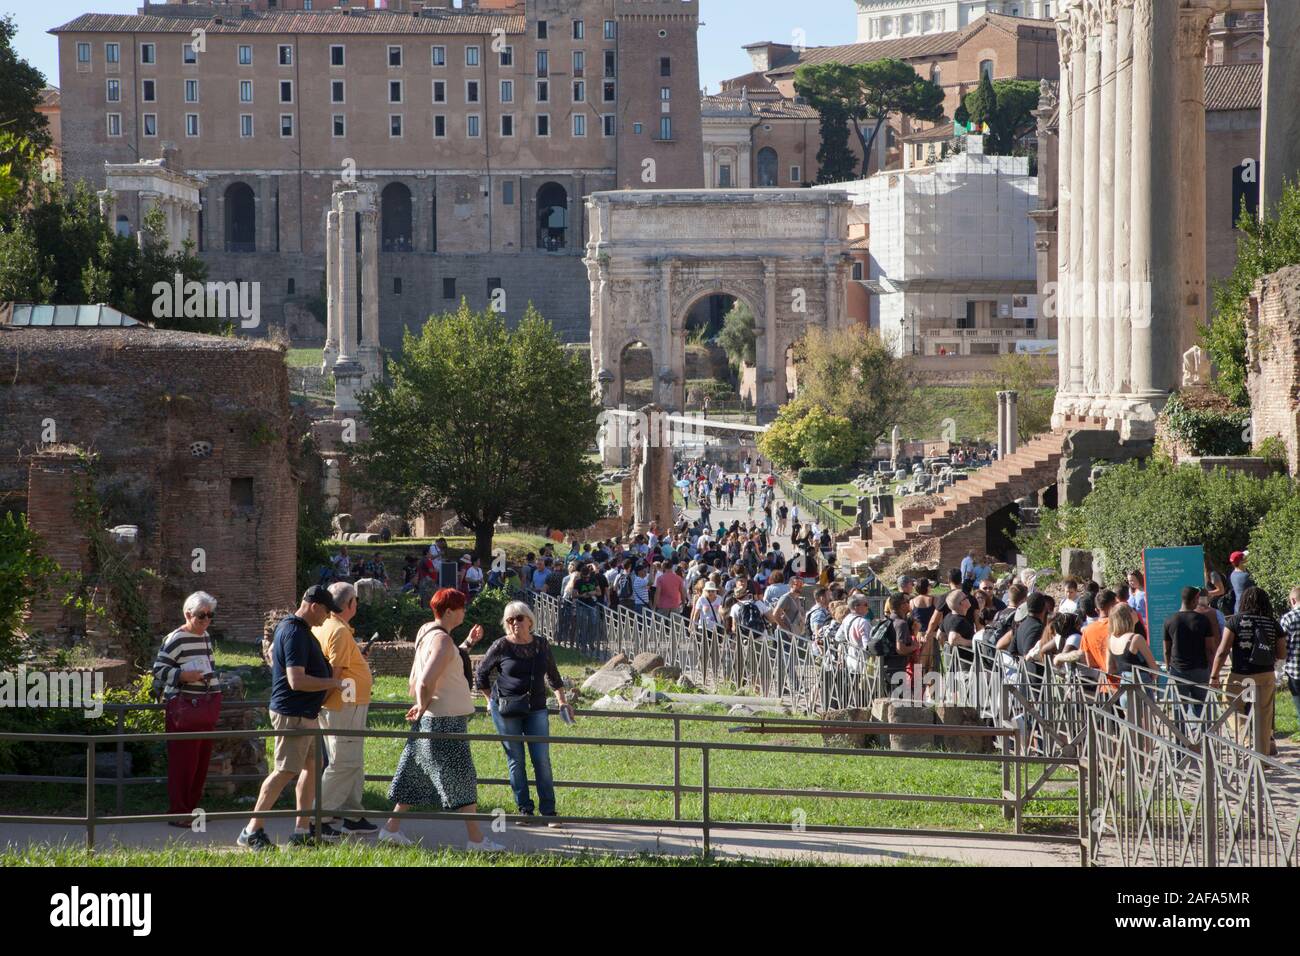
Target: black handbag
{"points": [[521, 705]]}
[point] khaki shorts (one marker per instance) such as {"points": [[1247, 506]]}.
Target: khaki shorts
{"points": [[293, 754]]}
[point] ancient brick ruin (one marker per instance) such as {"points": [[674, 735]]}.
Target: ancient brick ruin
{"points": [[1273, 360]]}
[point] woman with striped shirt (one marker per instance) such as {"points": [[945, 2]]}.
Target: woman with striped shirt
{"points": [[185, 672]]}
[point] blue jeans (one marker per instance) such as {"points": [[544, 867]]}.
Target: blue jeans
{"points": [[536, 724]]}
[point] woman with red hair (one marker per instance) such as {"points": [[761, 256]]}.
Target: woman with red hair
{"points": [[439, 772]]}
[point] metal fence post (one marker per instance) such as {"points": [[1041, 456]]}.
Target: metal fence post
{"points": [[677, 768], [319, 744], [704, 797], [121, 762], [1210, 800], [90, 796]]}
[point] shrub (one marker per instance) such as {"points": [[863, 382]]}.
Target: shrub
{"points": [[1208, 431], [396, 618], [1167, 506], [24, 574], [805, 433], [821, 476], [1057, 529], [486, 609], [1275, 552]]}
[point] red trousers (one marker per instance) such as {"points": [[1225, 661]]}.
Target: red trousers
{"points": [[187, 760]]}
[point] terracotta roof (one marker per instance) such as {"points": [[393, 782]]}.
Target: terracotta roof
{"points": [[730, 102], [938, 134], [50, 96], [1239, 86], [756, 81], [906, 48], [318, 22]]}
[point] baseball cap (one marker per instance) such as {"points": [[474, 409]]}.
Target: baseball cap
{"points": [[1237, 556], [319, 594], [710, 586]]}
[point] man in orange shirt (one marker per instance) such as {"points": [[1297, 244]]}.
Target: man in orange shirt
{"points": [[1096, 635]]}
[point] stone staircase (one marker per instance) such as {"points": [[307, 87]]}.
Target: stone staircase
{"points": [[1031, 468]]}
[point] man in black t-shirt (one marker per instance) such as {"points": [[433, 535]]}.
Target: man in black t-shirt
{"points": [[1189, 642], [1030, 631], [956, 628]]}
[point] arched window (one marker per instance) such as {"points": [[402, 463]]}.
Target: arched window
{"points": [[123, 227], [986, 69], [552, 217], [241, 218], [936, 75], [768, 167], [395, 218]]}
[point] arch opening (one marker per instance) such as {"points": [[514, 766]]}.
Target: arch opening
{"points": [[395, 218], [552, 217], [241, 218]]}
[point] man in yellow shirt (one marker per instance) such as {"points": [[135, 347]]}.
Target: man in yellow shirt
{"points": [[343, 781]]}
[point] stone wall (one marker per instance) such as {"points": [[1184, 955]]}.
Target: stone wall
{"points": [[191, 434], [1273, 360], [56, 477], [391, 658]]}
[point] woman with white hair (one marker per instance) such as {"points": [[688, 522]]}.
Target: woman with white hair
{"points": [[517, 702], [185, 672]]}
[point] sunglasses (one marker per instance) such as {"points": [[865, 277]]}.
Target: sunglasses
{"points": [[516, 619], [205, 616]]}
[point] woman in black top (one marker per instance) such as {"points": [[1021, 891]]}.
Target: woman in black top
{"points": [[1253, 638], [517, 703]]}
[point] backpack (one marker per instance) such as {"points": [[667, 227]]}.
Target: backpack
{"points": [[751, 617], [880, 643], [554, 582], [623, 588]]}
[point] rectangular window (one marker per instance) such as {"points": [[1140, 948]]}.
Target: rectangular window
{"points": [[665, 127], [394, 56], [340, 126], [507, 91], [397, 285], [724, 176], [611, 30], [609, 63], [440, 91], [83, 52], [492, 285], [338, 91], [189, 55], [449, 288], [507, 56], [112, 53], [609, 91], [148, 53], [114, 124], [471, 91], [114, 91], [543, 91], [471, 56], [541, 29], [149, 91], [245, 55], [636, 128], [508, 193], [394, 91], [241, 494], [286, 91], [507, 125], [472, 126], [286, 55], [395, 125], [246, 125], [150, 124], [577, 30], [543, 124], [543, 62], [579, 62], [579, 124], [337, 55], [610, 126], [286, 125], [245, 91], [191, 91], [191, 124], [665, 66], [579, 91], [665, 93], [439, 126], [439, 56], [796, 174]]}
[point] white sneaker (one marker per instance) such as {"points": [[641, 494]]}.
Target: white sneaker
{"points": [[396, 837], [485, 846]]}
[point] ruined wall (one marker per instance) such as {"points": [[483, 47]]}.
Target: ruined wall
{"points": [[191, 434], [1273, 360]]}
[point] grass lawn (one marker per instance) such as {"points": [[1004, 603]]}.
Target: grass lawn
{"points": [[302, 358]]}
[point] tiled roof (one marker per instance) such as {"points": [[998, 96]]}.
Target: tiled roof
{"points": [[906, 48], [1239, 86], [756, 81], [318, 22], [50, 96], [731, 103]]}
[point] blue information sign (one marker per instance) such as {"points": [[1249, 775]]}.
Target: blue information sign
{"points": [[1168, 571]]}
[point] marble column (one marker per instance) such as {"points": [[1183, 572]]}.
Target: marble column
{"points": [[1121, 376], [1078, 154], [1193, 36], [765, 398], [664, 357], [369, 351], [330, 353], [1063, 205], [108, 206], [1092, 252], [1281, 119], [347, 284], [1106, 212]]}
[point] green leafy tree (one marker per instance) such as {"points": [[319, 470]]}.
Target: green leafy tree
{"points": [[1266, 244], [1027, 375], [737, 337], [24, 574], [868, 94], [854, 374], [489, 422], [804, 433], [24, 133], [780, 443], [1007, 106], [1275, 559], [835, 160]]}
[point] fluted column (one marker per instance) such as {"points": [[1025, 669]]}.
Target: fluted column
{"points": [[331, 352], [1121, 375], [370, 278], [1106, 213], [1078, 140], [347, 284], [1092, 203], [1064, 203], [1281, 119], [1193, 35]]}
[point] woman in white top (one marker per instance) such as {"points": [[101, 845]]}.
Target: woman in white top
{"points": [[707, 611]]}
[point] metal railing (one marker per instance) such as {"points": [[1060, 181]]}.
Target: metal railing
{"points": [[808, 508]]}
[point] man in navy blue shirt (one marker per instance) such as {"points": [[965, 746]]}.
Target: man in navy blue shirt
{"points": [[300, 676]]}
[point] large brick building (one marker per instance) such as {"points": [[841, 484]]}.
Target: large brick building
{"points": [[482, 126]]}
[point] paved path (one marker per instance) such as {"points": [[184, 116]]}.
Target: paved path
{"points": [[735, 844]]}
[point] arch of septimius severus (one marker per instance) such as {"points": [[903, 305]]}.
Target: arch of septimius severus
{"points": [[652, 255], [1131, 208]]}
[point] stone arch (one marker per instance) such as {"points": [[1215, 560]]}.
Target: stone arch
{"points": [[552, 217], [633, 367], [396, 218], [768, 168], [241, 218], [690, 301]]}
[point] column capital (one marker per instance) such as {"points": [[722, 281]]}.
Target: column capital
{"points": [[1194, 31], [1110, 11], [1065, 41]]}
